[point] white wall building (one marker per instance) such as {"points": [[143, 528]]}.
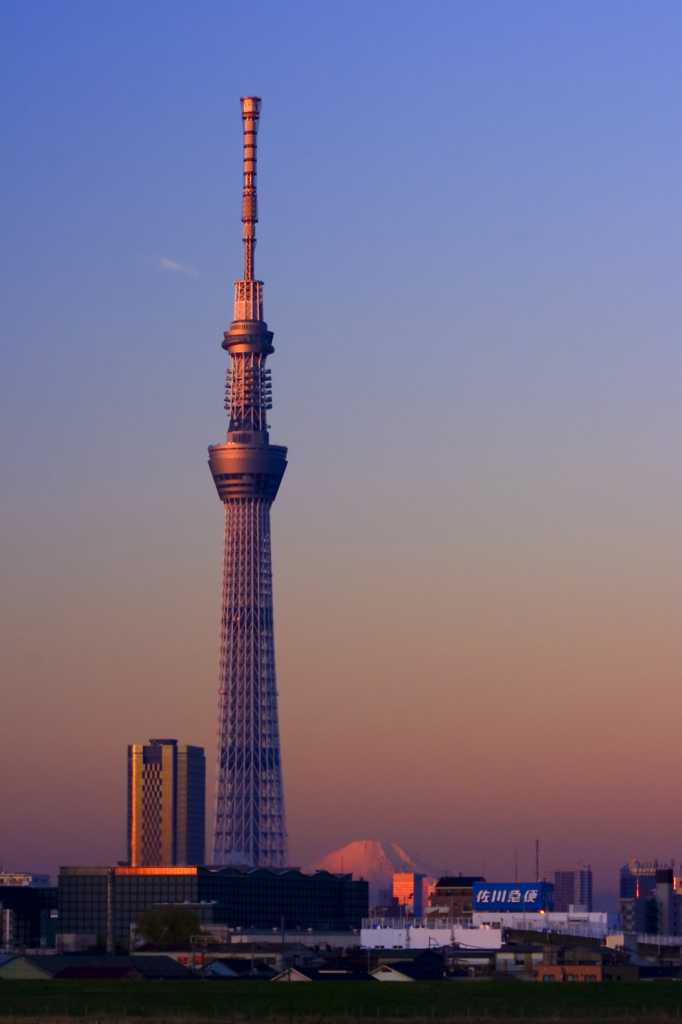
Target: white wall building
{"points": [[595, 924], [24, 878], [395, 934], [486, 930]]}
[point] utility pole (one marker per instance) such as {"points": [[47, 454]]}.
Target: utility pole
{"points": [[537, 860]]}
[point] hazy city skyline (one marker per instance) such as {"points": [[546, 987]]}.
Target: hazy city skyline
{"points": [[470, 234]]}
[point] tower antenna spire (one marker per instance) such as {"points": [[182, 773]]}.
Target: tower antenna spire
{"points": [[250, 116], [248, 293]]}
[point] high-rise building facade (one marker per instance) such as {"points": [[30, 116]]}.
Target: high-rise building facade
{"points": [[638, 878], [247, 470], [572, 888], [166, 804], [650, 900], [411, 891]]}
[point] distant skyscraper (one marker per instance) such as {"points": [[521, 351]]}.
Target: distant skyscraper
{"points": [[166, 804], [638, 878], [572, 888], [247, 470], [410, 890], [648, 900]]}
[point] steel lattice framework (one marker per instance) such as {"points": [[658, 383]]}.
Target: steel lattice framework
{"points": [[247, 470]]}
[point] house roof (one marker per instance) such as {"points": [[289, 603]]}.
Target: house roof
{"points": [[462, 953], [240, 968], [321, 974], [412, 969], [292, 974], [338, 974], [424, 955], [160, 967], [111, 973], [341, 963], [148, 966], [245, 949]]}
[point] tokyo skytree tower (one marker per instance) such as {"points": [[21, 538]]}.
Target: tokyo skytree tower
{"points": [[247, 470]]}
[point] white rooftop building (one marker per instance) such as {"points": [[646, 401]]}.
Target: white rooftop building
{"points": [[391, 933], [24, 878], [485, 931]]}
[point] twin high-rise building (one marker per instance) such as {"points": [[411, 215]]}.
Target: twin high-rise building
{"points": [[166, 804], [247, 470]]}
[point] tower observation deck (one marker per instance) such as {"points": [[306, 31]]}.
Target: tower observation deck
{"points": [[247, 470]]}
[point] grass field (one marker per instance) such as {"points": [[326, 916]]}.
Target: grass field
{"points": [[113, 1002]]}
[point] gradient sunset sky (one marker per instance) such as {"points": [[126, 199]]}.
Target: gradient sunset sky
{"points": [[471, 240]]}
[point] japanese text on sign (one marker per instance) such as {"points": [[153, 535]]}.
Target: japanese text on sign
{"points": [[513, 896]]}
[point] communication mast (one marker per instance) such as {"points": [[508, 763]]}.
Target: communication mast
{"points": [[247, 470]]}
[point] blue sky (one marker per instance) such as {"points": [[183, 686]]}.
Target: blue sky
{"points": [[470, 240]]}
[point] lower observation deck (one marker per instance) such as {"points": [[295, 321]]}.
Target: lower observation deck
{"points": [[247, 470]]}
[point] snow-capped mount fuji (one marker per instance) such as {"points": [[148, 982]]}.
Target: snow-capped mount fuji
{"points": [[374, 860]]}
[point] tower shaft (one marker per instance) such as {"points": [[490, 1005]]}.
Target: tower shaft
{"points": [[247, 470]]}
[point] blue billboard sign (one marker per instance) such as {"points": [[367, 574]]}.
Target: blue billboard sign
{"points": [[514, 896]]}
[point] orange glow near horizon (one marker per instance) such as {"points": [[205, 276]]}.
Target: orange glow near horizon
{"points": [[156, 871]]}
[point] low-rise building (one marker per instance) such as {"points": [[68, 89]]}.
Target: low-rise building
{"points": [[28, 916], [518, 960], [569, 972], [99, 904], [453, 896], [23, 879], [486, 930], [388, 933], [91, 967], [596, 925]]}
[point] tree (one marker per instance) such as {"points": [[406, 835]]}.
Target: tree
{"points": [[167, 926]]}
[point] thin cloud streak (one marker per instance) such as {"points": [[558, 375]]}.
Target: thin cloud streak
{"points": [[174, 268]]}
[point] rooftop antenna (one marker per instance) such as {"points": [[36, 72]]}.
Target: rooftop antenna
{"points": [[250, 115], [248, 298]]}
